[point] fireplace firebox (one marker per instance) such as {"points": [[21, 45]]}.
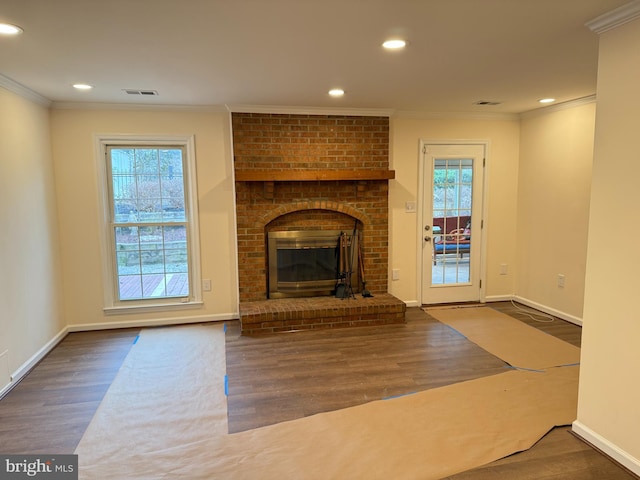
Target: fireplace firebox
{"points": [[310, 263]]}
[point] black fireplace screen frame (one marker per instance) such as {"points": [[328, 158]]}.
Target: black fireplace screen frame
{"points": [[305, 263]]}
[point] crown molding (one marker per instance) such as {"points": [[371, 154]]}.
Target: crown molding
{"points": [[615, 18], [137, 107], [23, 91], [275, 109], [423, 115], [578, 102]]}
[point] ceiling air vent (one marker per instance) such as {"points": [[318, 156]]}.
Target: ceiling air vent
{"points": [[486, 102], [140, 92]]}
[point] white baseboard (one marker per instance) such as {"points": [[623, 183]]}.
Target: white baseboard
{"points": [[4, 390], [551, 311], [35, 358], [497, 298], [157, 322], [412, 303], [606, 447], [40, 354]]}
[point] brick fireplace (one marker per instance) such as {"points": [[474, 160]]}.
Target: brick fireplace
{"points": [[311, 172]]}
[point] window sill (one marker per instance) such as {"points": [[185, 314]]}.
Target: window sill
{"points": [[151, 307]]}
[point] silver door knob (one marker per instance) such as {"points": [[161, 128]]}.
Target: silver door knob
{"points": [[427, 238]]}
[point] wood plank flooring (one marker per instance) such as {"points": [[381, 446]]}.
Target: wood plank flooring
{"points": [[49, 410], [283, 377], [288, 376], [291, 375]]}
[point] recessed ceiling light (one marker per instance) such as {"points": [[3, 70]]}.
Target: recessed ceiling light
{"points": [[82, 86], [336, 92], [8, 29], [547, 100], [394, 44]]}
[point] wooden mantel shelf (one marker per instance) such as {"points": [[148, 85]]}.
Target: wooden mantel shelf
{"points": [[313, 175]]}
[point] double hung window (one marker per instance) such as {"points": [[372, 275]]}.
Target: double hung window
{"points": [[150, 228]]}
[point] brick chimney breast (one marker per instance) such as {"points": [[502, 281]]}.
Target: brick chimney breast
{"points": [[284, 144]]}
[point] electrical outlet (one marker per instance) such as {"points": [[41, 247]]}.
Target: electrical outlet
{"points": [[560, 280], [504, 269], [206, 284], [395, 274]]}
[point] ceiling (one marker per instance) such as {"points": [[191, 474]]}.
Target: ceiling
{"points": [[290, 53]]}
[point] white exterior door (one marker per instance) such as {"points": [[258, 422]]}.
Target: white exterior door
{"points": [[451, 222]]}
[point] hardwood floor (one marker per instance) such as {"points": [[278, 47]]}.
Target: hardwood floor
{"points": [[558, 328], [49, 410], [288, 376], [283, 377], [291, 375]]}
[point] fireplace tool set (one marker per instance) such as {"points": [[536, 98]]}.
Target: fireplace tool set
{"points": [[347, 245], [343, 285]]}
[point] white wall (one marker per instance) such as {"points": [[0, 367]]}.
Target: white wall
{"points": [[608, 412], [30, 283], [556, 154], [76, 178], [500, 195]]}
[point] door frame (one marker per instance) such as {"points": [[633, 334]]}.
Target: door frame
{"points": [[420, 250]]}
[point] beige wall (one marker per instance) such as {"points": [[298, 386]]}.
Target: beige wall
{"points": [[30, 289], [73, 148], [75, 165], [556, 154], [500, 195], [609, 391]]}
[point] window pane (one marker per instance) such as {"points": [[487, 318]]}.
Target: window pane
{"points": [[129, 287], [148, 198], [452, 200], [152, 261], [125, 205], [146, 161], [172, 185], [127, 250], [175, 244], [173, 199], [153, 286], [123, 161], [147, 186]]}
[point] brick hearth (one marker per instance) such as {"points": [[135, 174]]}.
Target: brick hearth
{"points": [[291, 314]]}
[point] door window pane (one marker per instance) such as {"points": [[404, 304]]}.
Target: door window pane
{"points": [[452, 202]]}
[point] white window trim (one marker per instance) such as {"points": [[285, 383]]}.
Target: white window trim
{"points": [[111, 303]]}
